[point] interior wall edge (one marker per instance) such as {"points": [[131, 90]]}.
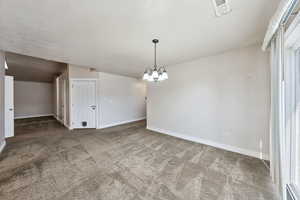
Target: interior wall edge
{"points": [[226, 147], [2, 99], [2, 146]]}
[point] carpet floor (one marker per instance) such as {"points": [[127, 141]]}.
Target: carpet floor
{"points": [[128, 162]]}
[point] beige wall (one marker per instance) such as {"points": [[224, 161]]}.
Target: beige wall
{"points": [[121, 99], [220, 100], [2, 75], [33, 99]]}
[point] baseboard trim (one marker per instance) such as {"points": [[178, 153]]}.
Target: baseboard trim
{"points": [[56, 118], [211, 143], [61, 121], [65, 125], [120, 123], [2, 146], [33, 116]]}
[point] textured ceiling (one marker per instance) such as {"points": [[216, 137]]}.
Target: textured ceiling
{"points": [[26, 68], [115, 35]]}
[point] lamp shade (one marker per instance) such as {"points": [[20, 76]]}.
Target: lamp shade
{"points": [[150, 78], [155, 74], [165, 75], [146, 76], [160, 77]]}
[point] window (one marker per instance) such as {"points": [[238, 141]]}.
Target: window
{"points": [[295, 137], [292, 116], [297, 163]]}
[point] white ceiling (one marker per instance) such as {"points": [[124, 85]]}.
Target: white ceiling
{"points": [[115, 35]]}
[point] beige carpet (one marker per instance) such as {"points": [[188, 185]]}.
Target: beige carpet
{"points": [[46, 161]]}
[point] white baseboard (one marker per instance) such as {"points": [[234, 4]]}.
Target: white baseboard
{"points": [[61, 121], [211, 143], [67, 126], [2, 146], [56, 117], [32, 116], [120, 123]]}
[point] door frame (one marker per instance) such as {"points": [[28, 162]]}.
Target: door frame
{"points": [[292, 97], [11, 80], [97, 111], [65, 101], [57, 97]]}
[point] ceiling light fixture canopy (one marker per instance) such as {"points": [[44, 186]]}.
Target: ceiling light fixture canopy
{"points": [[155, 74]]}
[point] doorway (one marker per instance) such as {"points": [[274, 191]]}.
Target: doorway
{"points": [[84, 104], [9, 106]]}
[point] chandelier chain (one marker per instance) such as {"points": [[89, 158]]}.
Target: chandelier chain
{"points": [[155, 55]]}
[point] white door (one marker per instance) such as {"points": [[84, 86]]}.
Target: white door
{"points": [[83, 104], [9, 106]]}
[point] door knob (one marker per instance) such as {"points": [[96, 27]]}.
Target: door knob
{"points": [[93, 107]]}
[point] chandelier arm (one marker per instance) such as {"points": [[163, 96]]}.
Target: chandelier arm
{"points": [[161, 69]]}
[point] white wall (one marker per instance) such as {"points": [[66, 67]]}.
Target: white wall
{"points": [[221, 100], [33, 99], [121, 99], [2, 75]]}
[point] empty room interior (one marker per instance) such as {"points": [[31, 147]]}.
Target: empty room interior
{"points": [[150, 100]]}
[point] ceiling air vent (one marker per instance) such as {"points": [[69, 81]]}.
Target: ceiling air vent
{"points": [[221, 7]]}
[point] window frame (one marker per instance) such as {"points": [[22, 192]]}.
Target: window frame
{"points": [[292, 100]]}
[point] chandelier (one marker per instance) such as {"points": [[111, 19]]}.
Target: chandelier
{"points": [[157, 73]]}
